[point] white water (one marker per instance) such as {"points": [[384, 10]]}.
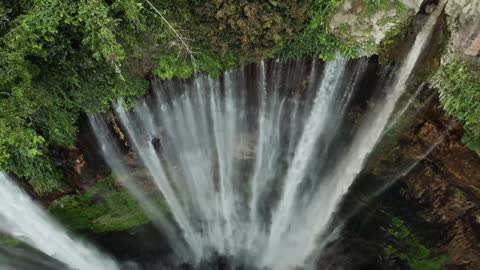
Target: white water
{"points": [[24, 219]]}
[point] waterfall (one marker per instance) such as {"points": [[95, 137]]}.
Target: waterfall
{"points": [[255, 175], [24, 219], [253, 165]]}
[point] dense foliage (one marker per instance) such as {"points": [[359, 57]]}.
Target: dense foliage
{"points": [[459, 84], [57, 59], [224, 33]]}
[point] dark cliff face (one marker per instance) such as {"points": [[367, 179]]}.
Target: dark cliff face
{"points": [[440, 197], [445, 188]]}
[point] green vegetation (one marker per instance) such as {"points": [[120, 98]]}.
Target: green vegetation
{"points": [[363, 28], [459, 84], [226, 33], [57, 59], [104, 207], [316, 38], [8, 240], [408, 249]]}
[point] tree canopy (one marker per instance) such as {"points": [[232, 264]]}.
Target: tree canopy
{"points": [[57, 59]]}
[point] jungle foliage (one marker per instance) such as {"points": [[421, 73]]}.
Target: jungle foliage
{"points": [[59, 58]]}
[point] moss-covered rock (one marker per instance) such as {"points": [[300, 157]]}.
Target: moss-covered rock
{"points": [[368, 25]]}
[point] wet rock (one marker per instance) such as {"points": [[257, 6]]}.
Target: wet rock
{"points": [[156, 143]]}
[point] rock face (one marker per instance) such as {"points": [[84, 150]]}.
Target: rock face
{"points": [[463, 17], [355, 21], [474, 47], [444, 189]]}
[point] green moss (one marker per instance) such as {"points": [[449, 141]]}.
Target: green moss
{"points": [[399, 22], [104, 207], [8, 240], [408, 249], [223, 34]]}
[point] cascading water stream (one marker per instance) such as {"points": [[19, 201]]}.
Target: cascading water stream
{"points": [[21, 217], [112, 154]]}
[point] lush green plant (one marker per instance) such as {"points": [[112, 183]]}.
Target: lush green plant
{"points": [[169, 66], [223, 34], [459, 85], [410, 250]]}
